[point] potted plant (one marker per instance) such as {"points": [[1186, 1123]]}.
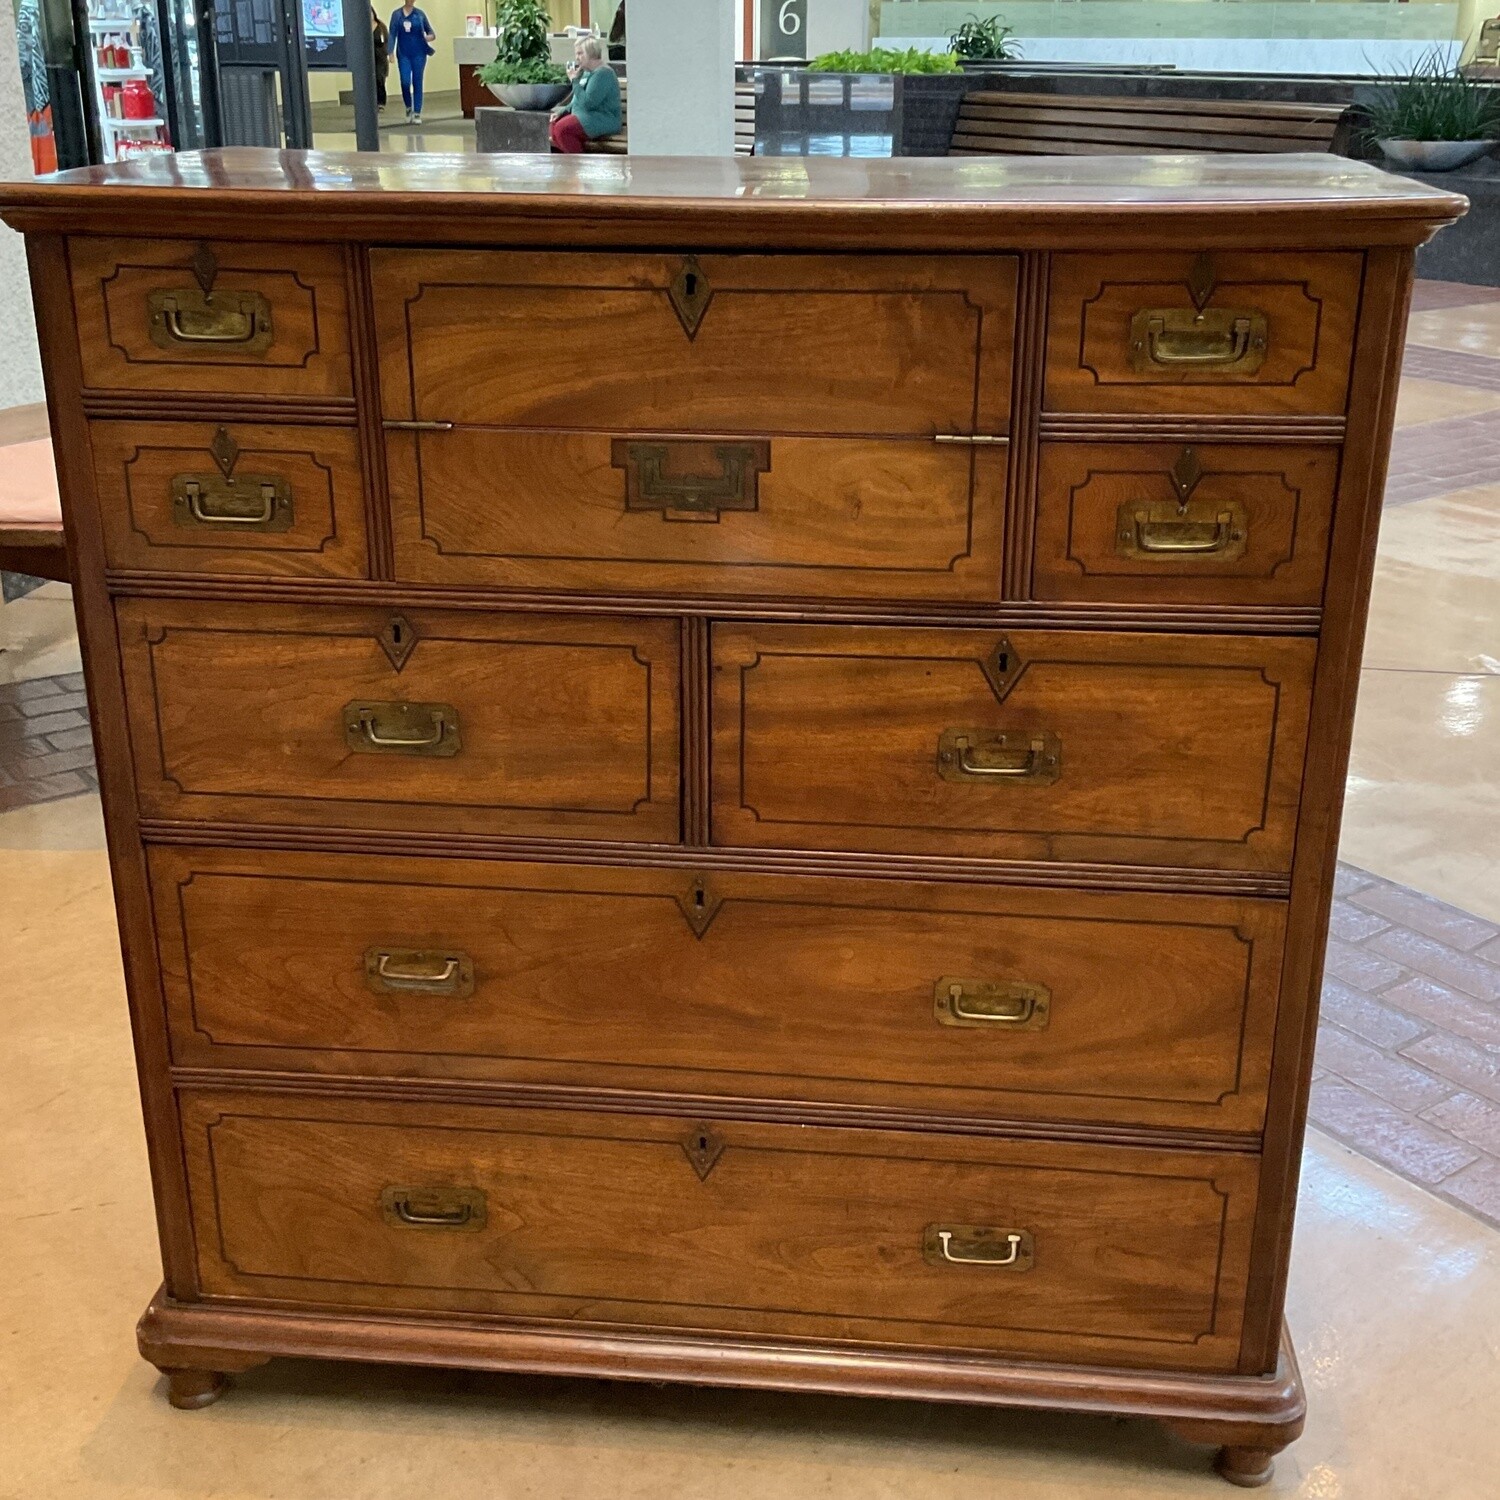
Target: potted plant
{"points": [[523, 74], [885, 60], [978, 43], [1435, 118]]}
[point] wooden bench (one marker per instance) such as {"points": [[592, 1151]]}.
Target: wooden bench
{"points": [[1006, 124], [31, 529], [744, 126]]}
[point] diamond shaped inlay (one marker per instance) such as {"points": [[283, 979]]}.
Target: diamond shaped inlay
{"points": [[398, 639], [703, 1147], [690, 295], [1200, 280], [225, 451], [1185, 474], [1002, 666], [205, 267], [699, 905]]}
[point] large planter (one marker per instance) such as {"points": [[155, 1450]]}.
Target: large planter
{"points": [[530, 95], [1434, 156]]}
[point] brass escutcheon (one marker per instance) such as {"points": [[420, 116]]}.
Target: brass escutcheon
{"points": [[691, 479], [419, 971]]}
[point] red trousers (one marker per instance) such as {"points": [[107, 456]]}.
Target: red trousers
{"points": [[567, 134]]}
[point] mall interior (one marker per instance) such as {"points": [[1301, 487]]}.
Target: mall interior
{"points": [[1393, 1299]]}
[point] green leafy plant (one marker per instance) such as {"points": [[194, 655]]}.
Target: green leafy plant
{"points": [[1435, 102], [990, 40], [885, 60], [522, 54]]}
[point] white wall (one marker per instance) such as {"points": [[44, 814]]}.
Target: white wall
{"points": [[837, 26], [21, 369], [681, 57]]}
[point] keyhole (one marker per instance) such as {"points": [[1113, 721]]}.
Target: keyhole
{"points": [[690, 283], [1002, 662], [395, 634], [703, 1143], [698, 897]]}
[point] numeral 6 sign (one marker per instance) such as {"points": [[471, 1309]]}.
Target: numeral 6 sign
{"points": [[783, 28]]}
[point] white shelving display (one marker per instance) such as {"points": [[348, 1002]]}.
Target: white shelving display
{"points": [[119, 72]]}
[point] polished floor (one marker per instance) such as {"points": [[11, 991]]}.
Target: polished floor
{"points": [[1395, 1298]]}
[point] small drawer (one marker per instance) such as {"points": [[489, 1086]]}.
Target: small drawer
{"points": [[823, 516], [1215, 523], [1142, 1010], [1116, 748], [198, 316], [486, 723], [1124, 1255], [239, 498], [1216, 334]]}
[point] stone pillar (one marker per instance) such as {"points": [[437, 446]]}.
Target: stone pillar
{"points": [[679, 64]]}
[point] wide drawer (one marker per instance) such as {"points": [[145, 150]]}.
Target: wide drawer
{"points": [[966, 1001], [220, 316], [237, 498], [1116, 1254], [1117, 748], [1215, 523], [846, 517], [1221, 334], [822, 426], [432, 720]]}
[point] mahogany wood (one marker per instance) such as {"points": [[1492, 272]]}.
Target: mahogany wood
{"points": [[690, 1107]]}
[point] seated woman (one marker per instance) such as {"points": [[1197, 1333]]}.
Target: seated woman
{"points": [[594, 108]]}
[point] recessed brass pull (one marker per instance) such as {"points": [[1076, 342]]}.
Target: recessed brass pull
{"points": [[1033, 755], [978, 1245], [1009, 1004], [402, 728], [1196, 529], [691, 479], [433, 1208], [419, 971], [249, 502], [1225, 340], [192, 318]]}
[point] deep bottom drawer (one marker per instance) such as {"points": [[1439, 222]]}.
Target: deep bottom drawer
{"points": [[1061, 1251]]}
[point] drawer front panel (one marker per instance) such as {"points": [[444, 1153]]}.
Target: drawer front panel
{"points": [[242, 498], [1216, 523], [759, 344], [885, 1237], [1130, 749], [1226, 334], [859, 517], [185, 315], [1132, 1010], [491, 723]]}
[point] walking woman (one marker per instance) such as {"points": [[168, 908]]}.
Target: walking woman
{"points": [[412, 37]]}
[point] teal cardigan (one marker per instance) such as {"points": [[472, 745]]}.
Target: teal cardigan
{"points": [[596, 101]]}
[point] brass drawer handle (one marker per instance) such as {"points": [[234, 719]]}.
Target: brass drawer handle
{"points": [[1198, 529], [1033, 755], [419, 971], [254, 502], [691, 479], [978, 1245], [402, 728], [1224, 339], [198, 319], [1012, 1004], [433, 1208]]}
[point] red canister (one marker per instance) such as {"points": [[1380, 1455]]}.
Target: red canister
{"points": [[138, 102]]}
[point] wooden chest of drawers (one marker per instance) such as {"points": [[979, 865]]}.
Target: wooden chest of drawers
{"points": [[728, 771]]}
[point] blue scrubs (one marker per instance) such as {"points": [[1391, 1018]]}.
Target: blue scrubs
{"points": [[408, 31]]}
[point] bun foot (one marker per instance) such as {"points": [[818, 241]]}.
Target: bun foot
{"points": [[192, 1390], [1247, 1467]]}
